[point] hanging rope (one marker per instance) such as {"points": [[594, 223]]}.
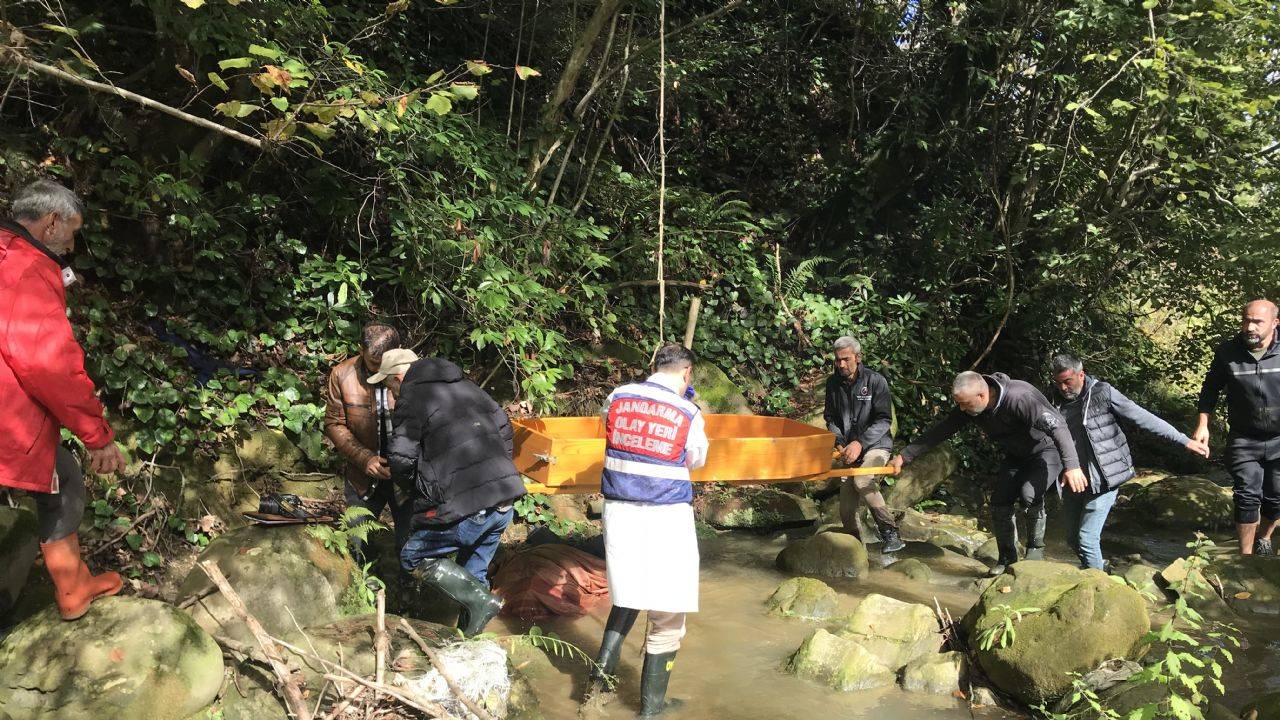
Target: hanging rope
{"points": [[662, 169]]}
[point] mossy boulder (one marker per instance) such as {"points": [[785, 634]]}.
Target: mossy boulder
{"points": [[1179, 502], [827, 554], [126, 658], [934, 674], [1142, 578], [262, 451], [920, 479], [896, 633], [805, 598], [839, 663], [914, 569], [285, 576], [19, 546], [1081, 619], [1249, 583], [755, 509]]}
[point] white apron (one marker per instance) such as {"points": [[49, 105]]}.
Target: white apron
{"points": [[651, 556]]}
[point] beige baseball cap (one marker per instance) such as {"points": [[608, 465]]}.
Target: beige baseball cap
{"points": [[394, 362]]}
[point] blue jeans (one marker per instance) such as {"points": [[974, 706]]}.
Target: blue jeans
{"points": [[1085, 514], [474, 538]]}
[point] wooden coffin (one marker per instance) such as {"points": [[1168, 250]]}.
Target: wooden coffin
{"points": [[566, 454]]}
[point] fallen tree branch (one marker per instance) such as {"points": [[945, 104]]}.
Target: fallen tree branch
{"points": [[346, 703], [433, 709], [439, 666], [13, 54], [290, 686]]}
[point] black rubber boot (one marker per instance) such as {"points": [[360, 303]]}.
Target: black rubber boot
{"points": [[478, 604], [653, 684], [1004, 526], [615, 631], [892, 540], [1037, 518]]}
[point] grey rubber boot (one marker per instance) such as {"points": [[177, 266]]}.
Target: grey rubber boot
{"points": [[653, 684], [478, 604]]}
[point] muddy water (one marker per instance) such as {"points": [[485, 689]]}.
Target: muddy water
{"points": [[729, 665]]}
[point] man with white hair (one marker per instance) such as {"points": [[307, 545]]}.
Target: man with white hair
{"points": [[858, 408], [1248, 367], [1037, 446], [44, 388]]}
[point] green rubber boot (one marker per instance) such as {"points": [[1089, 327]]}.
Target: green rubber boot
{"points": [[478, 604], [653, 684]]}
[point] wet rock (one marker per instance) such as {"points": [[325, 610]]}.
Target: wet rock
{"points": [[1250, 583], [914, 569], [285, 576], [840, 663], [1183, 579], [988, 552], [1126, 697], [953, 532], [935, 674], [126, 658], [1266, 707], [920, 479], [827, 554], [804, 598], [1179, 502], [19, 546], [755, 509], [1082, 618], [896, 633], [937, 560], [983, 696], [1142, 577]]}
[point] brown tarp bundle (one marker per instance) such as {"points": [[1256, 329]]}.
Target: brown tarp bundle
{"points": [[549, 580]]}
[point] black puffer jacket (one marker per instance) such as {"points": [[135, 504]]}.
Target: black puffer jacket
{"points": [[451, 445]]}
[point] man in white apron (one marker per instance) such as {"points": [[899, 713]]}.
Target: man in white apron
{"points": [[655, 435]]}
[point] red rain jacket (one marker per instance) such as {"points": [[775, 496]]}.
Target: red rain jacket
{"points": [[43, 384]]}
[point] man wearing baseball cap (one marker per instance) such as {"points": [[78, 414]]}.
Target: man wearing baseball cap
{"points": [[451, 447]]}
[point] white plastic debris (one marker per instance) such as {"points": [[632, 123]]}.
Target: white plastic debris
{"points": [[478, 667]]}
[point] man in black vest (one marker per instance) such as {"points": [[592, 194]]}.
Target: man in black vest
{"points": [[1093, 410], [859, 410], [451, 450], [1248, 367], [1037, 446]]}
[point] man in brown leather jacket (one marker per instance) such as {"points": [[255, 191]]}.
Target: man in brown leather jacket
{"points": [[357, 420]]}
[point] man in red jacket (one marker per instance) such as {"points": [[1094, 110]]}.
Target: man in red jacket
{"points": [[44, 388]]}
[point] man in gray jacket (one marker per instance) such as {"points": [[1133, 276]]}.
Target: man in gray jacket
{"points": [[1093, 410]]}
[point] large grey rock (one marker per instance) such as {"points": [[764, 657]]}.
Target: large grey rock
{"points": [[953, 532], [286, 578], [804, 598], [755, 509], [934, 674], [827, 554], [1082, 618], [1250, 584], [839, 663], [19, 546], [1180, 502], [896, 633], [126, 658]]}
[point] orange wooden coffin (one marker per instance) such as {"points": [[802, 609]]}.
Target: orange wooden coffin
{"points": [[566, 454]]}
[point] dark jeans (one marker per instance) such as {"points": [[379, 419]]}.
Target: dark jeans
{"points": [[59, 513], [382, 497], [1255, 474], [474, 539]]}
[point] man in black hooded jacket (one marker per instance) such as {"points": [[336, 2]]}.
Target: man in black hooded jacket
{"points": [[451, 448], [1037, 446]]}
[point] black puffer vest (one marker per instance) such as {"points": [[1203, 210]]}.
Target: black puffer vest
{"points": [[1103, 433]]}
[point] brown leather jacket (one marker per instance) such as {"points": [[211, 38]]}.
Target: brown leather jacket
{"points": [[351, 420]]}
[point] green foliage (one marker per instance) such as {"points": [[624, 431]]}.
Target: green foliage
{"points": [[535, 509], [1005, 632], [551, 644], [355, 524]]}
